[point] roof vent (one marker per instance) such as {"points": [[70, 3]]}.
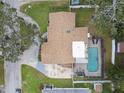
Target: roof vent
{"points": [[68, 31]]}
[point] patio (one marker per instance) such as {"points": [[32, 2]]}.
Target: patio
{"points": [[82, 67]]}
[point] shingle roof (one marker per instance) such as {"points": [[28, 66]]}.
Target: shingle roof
{"points": [[61, 34], [121, 47]]}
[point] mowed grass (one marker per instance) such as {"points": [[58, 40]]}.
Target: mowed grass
{"points": [[39, 11], [32, 80], [1, 71], [83, 16]]}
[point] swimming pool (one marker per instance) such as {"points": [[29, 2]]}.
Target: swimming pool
{"points": [[92, 65]]}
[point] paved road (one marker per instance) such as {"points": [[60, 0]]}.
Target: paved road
{"points": [[29, 57], [12, 71]]}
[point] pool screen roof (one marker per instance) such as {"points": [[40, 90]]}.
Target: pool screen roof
{"points": [[67, 90], [78, 49]]}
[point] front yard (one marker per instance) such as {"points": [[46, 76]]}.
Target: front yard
{"points": [[33, 80], [39, 11], [107, 44]]}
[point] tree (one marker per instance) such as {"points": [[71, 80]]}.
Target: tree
{"points": [[15, 34], [108, 18]]}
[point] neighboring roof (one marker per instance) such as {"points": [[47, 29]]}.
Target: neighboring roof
{"points": [[78, 49], [120, 47], [61, 34], [75, 2], [98, 88], [67, 90]]}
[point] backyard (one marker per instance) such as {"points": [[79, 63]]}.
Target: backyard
{"points": [[1, 71], [107, 44], [33, 80], [107, 88]]}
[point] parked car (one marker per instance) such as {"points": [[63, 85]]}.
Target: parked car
{"points": [[18, 90]]}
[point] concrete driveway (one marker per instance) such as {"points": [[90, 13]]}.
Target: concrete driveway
{"points": [[12, 77], [13, 70]]}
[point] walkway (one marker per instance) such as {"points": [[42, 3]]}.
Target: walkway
{"points": [[96, 81], [84, 6], [18, 3]]}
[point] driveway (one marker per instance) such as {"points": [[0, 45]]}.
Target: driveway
{"points": [[12, 77], [13, 70], [17, 3]]}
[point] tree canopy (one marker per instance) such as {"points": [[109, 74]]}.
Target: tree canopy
{"points": [[15, 34], [110, 18]]}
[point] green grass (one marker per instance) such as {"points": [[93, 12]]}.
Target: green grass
{"points": [[1, 71], [107, 88], [40, 11], [83, 16], [32, 80], [83, 85]]}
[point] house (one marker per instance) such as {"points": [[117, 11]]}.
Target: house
{"points": [[75, 2], [120, 47], [66, 90], [62, 35], [69, 50]]}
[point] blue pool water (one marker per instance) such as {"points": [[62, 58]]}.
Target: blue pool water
{"points": [[92, 65]]}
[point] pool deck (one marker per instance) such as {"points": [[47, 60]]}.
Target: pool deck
{"points": [[98, 45], [83, 66]]}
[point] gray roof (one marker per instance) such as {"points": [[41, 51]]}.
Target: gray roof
{"points": [[75, 2], [66, 90]]}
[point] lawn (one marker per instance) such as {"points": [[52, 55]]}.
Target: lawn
{"points": [[39, 11], [107, 88], [83, 16], [32, 80], [84, 85], [1, 71]]}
